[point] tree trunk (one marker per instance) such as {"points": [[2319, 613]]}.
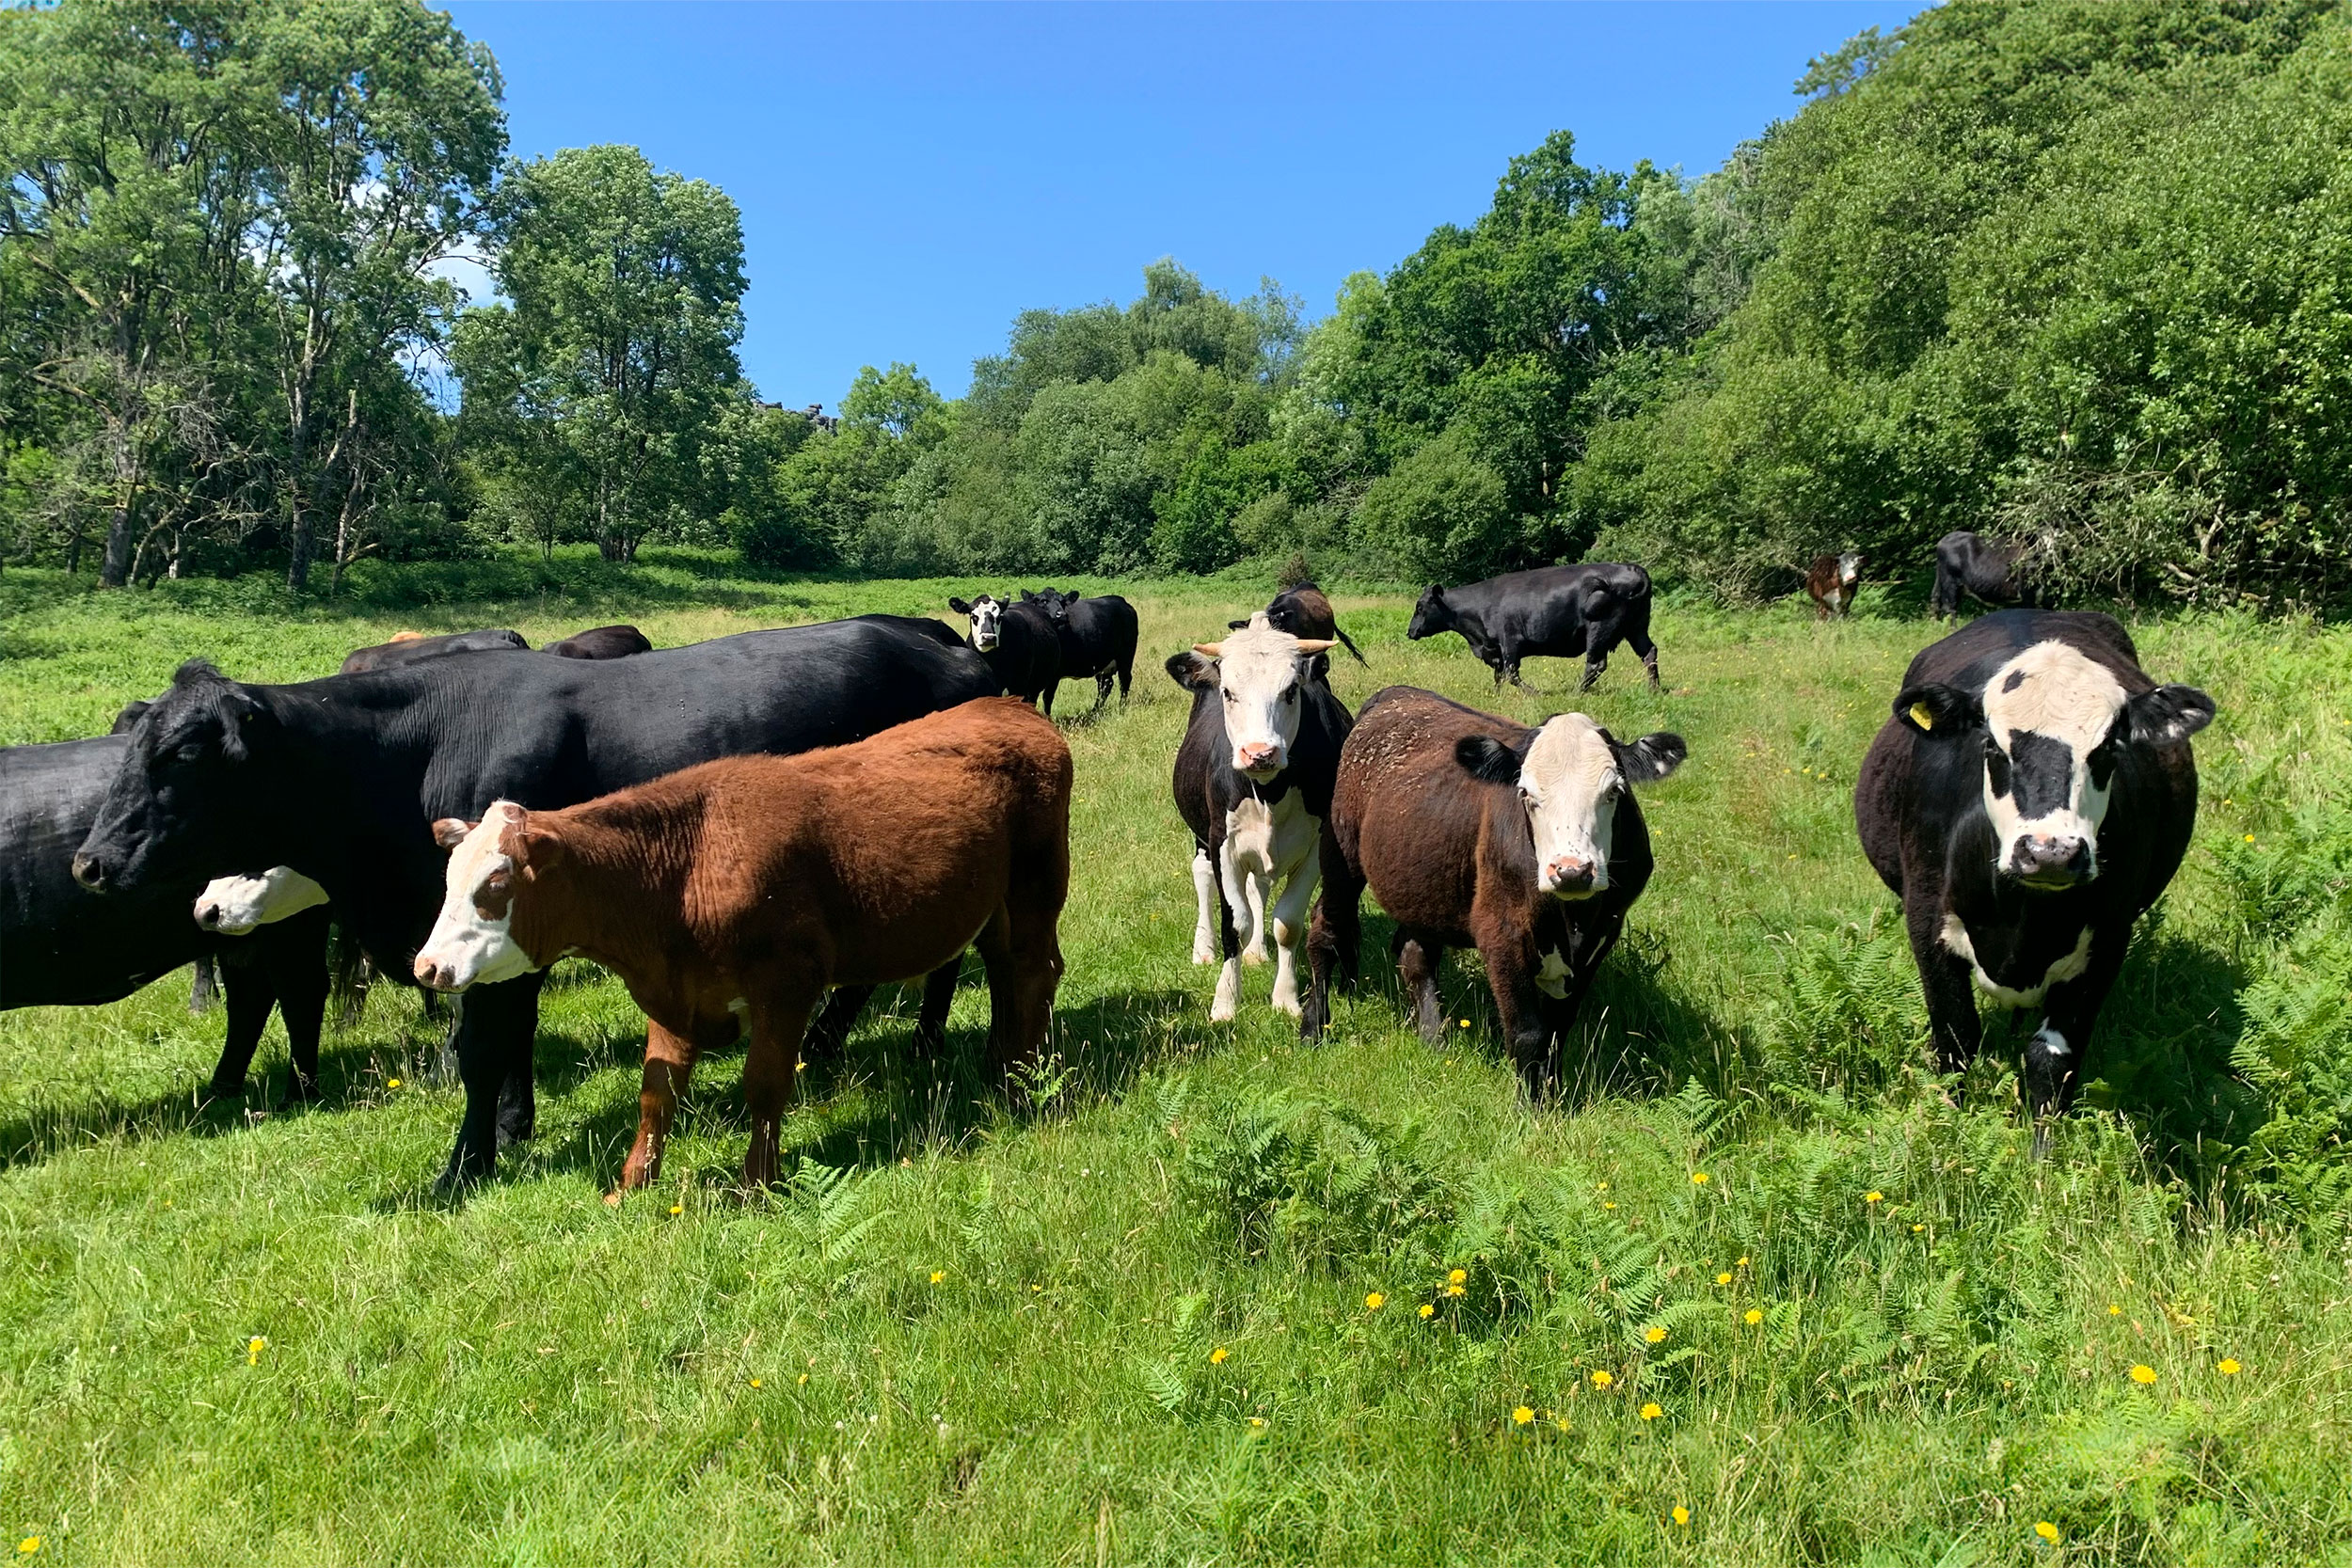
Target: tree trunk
{"points": [[298, 543]]}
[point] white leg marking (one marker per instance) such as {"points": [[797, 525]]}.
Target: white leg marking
{"points": [[1259, 884], [1228, 1001], [2052, 1042], [1290, 931], [1204, 928]]}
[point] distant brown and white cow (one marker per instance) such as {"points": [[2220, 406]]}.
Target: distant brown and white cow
{"points": [[729, 896], [1831, 582], [2028, 799], [1253, 783], [1473, 831]]}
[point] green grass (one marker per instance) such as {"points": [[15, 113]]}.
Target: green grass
{"points": [[963, 1335]]}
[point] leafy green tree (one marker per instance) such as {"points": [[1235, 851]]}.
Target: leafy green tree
{"points": [[1442, 514]]}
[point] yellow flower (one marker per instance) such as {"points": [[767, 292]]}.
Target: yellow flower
{"points": [[1655, 1333], [2227, 1367], [1682, 1514], [756, 1382], [1723, 1278], [2047, 1530], [1916, 1229], [1602, 1380], [1743, 1264], [1453, 1289], [677, 1207], [1560, 1421], [1609, 1205], [1457, 1276], [391, 1083], [1650, 1411], [1375, 1301], [2113, 1310], [1427, 1310], [1257, 1421], [804, 1378], [1755, 1317], [1698, 1179], [253, 1349], [28, 1547], [1521, 1416], [1216, 1356], [1873, 1196], [1603, 1187], [2250, 838], [939, 1276], [2143, 1373]]}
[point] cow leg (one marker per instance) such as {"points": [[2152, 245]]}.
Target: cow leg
{"points": [[2054, 1057], [1639, 641], [777, 1026], [1290, 931], [1335, 938], [251, 996], [1227, 999], [1257, 886], [669, 1068], [1953, 1025], [298, 974], [1519, 1008], [1126, 676], [205, 988], [1102, 693], [1233, 887], [1418, 958], [1204, 898], [1595, 662], [829, 1037], [1046, 697], [495, 1031], [938, 996]]}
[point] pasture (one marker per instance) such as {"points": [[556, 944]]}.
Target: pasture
{"points": [[1757, 1291]]}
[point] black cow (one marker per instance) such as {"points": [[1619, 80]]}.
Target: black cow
{"points": [[602, 642], [1020, 643], [340, 779], [409, 647], [1253, 783], [1992, 574], [1304, 611], [1557, 611], [1098, 639], [2030, 798], [61, 945]]}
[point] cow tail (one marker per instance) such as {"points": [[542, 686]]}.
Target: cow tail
{"points": [[1349, 643]]}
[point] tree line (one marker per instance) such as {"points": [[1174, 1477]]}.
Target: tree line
{"points": [[2066, 273]]}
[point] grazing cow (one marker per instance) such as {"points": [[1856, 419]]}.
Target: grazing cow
{"points": [[1019, 641], [409, 647], [2030, 798], [1473, 830], [1098, 639], [1831, 582], [1304, 612], [729, 896], [602, 642], [340, 779], [1253, 783], [62, 946], [1995, 574], [1557, 611]]}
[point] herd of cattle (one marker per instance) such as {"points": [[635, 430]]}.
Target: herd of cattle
{"points": [[755, 831]]}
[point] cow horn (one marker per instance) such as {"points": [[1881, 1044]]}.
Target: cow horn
{"points": [[1209, 650], [1316, 644]]}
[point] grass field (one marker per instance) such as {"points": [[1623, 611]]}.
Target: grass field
{"points": [[1756, 1293]]}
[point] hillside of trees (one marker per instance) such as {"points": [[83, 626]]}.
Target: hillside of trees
{"points": [[2074, 274]]}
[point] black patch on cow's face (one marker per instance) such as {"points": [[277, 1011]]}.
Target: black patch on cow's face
{"points": [[2016, 679], [177, 808], [2036, 772]]}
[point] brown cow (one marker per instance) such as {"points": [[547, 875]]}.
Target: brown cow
{"points": [[1831, 582], [620, 641], [729, 896], [1473, 830]]}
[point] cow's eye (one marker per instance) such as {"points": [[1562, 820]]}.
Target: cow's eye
{"points": [[191, 752]]}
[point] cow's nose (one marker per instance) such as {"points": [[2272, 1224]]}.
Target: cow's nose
{"points": [[207, 915], [1568, 874], [428, 975], [91, 872], [1258, 754], [2052, 857]]}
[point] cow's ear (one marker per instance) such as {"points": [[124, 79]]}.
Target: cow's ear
{"points": [[1484, 757], [1319, 667], [450, 832], [245, 718], [1236, 625], [958, 607], [1651, 758], [2168, 715], [128, 719], [1192, 669], [1933, 708]]}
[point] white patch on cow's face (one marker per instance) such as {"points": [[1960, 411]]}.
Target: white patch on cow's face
{"points": [[1261, 680], [472, 941], [1570, 785], [235, 905], [2049, 712], [1849, 568], [987, 618]]}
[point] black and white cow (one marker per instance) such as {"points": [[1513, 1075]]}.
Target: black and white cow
{"points": [[342, 779], [2029, 800], [1303, 610], [1555, 611], [1991, 573], [1020, 643], [1253, 783], [1099, 637]]}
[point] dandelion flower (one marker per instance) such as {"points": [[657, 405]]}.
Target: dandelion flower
{"points": [[253, 1349], [1216, 1356], [2227, 1367], [1916, 1229], [1521, 1416], [1743, 1264], [1755, 1317], [1723, 1278], [2250, 838], [1873, 1196], [2143, 1373], [1655, 1333], [1603, 1187], [391, 1083], [1610, 1205], [803, 1378], [1560, 1421], [28, 1547], [1375, 1301], [1698, 1179], [1427, 1310], [1601, 1379], [2113, 1310], [756, 1382], [1457, 1276], [1257, 1422], [1466, 1024], [939, 1276], [677, 1207], [2047, 1530], [1453, 1289], [1682, 1514], [1651, 1410]]}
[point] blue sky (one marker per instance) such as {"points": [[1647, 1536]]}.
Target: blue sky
{"points": [[911, 175]]}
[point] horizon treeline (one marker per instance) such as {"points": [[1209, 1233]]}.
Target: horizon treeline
{"points": [[2070, 274]]}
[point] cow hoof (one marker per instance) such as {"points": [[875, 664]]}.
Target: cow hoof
{"points": [[612, 1199], [1253, 957], [223, 1090], [1204, 955]]}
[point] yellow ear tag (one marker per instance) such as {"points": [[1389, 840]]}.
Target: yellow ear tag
{"points": [[1922, 717]]}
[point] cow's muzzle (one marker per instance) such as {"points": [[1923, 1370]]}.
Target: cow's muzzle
{"points": [[2050, 861], [1260, 760], [91, 872], [1567, 877], [433, 977]]}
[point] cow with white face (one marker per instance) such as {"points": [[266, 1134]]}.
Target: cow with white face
{"points": [[2029, 798], [473, 941], [1831, 581], [1253, 781], [1018, 642], [1476, 831], [234, 905]]}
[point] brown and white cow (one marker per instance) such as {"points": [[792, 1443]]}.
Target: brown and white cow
{"points": [[1831, 582], [1473, 831], [1253, 783], [729, 896]]}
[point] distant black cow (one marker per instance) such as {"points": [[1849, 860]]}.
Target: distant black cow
{"points": [[1556, 611], [1991, 574], [1831, 582], [62, 945], [1304, 612], [407, 647], [1098, 638], [2029, 800], [1253, 783], [340, 780], [1020, 643], [602, 642]]}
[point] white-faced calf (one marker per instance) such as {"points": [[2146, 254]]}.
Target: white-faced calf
{"points": [[1473, 830], [729, 896]]}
